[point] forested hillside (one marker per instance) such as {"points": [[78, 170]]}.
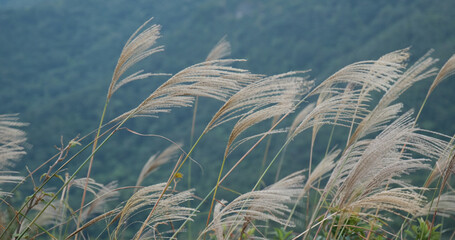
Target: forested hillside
{"points": [[57, 58]]}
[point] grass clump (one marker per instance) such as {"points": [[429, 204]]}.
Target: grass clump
{"points": [[359, 189]]}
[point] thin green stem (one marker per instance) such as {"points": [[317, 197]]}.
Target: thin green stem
{"points": [[90, 164], [193, 126], [216, 188]]}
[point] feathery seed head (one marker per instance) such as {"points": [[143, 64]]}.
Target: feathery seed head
{"points": [[137, 48]]}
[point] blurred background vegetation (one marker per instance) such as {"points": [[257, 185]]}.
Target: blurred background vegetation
{"points": [[57, 57]]}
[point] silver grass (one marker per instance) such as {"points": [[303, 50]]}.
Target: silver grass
{"points": [[104, 195], [237, 143], [376, 74], [420, 70], [269, 204], [383, 112], [218, 227], [8, 177], [92, 186], [368, 166], [442, 206], [136, 76], [156, 160], [260, 100], [400, 56], [328, 112], [445, 162], [324, 96], [254, 117], [207, 79], [398, 59], [446, 71], [376, 121], [402, 199], [221, 50], [169, 208], [284, 91], [138, 47], [12, 140], [258, 94], [323, 167], [52, 215], [321, 118], [301, 116], [369, 75]]}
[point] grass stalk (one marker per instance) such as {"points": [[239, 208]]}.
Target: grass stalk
{"points": [[193, 126], [90, 164]]}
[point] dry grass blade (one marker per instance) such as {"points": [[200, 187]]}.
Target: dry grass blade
{"points": [[254, 117], [156, 160], [207, 79], [136, 76], [169, 208], [267, 204], [138, 47]]}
